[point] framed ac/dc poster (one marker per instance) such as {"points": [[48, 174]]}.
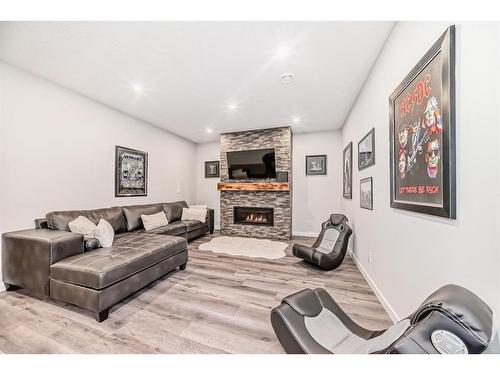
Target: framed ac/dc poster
{"points": [[422, 133]]}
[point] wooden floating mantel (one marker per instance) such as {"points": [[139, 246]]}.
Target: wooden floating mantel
{"points": [[253, 186]]}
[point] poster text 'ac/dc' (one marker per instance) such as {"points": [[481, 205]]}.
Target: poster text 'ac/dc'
{"points": [[418, 138]]}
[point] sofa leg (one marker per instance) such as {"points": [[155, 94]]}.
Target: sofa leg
{"points": [[102, 316], [183, 266], [10, 287]]}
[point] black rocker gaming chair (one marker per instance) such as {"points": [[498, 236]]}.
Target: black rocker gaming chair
{"points": [[452, 320], [329, 250]]}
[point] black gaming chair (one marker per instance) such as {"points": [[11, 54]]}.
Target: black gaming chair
{"points": [[452, 320], [329, 250]]}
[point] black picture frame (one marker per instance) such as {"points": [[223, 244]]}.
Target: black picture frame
{"points": [[212, 169], [347, 171], [432, 190], [131, 172], [315, 165], [366, 158], [366, 199]]}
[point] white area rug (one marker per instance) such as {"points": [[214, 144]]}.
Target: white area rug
{"points": [[250, 247]]}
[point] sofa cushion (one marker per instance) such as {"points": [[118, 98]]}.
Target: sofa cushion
{"points": [[174, 210], [104, 233], [194, 225], [113, 215], [177, 228], [130, 254], [83, 225], [194, 214], [154, 221], [59, 220], [133, 214]]}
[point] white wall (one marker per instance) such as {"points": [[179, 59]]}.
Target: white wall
{"points": [[413, 254], [316, 197], [206, 188], [57, 152]]}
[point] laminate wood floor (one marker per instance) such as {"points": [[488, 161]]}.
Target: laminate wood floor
{"points": [[219, 304]]}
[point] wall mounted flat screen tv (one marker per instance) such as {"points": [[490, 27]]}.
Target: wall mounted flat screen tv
{"points": [[251, 164]]}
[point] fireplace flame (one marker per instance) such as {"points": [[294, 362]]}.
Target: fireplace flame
{"points": [[256, 218]]}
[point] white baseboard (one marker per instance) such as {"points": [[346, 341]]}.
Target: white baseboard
{"points": [[305, 234], [387, 307]]}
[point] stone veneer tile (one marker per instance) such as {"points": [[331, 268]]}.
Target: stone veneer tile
{"points": [[281, 140]]}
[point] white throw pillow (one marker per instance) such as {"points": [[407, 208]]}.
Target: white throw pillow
{"points": [[82, 225], [154, 221], [199, 206], [105, 233], [194, 214]]}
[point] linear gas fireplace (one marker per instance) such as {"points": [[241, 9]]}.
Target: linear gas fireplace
{"points": [[253, 215]]}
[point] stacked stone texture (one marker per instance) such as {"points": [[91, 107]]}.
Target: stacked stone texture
{"points": [[281, 140]]}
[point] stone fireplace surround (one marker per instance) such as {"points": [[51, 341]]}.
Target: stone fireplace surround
{"points": [[280, 201]]}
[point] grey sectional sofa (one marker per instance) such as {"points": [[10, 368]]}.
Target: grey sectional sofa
{"points": [[55, 262]]}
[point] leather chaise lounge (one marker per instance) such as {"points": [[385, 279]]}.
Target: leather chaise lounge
{"points": [[452, 320], [330, 247], [52, 261]]}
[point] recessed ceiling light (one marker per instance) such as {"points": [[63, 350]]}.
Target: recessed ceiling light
{"points": [[137, 88], [231, 106], [286, 78], [283, 52], [209, 131], [296, 120]]}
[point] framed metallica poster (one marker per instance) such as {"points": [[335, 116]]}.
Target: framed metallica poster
{"points": [[347, 172], [422, 134], [131, 172]]}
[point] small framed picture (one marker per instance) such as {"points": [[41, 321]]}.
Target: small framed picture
{"points": [[212, 169], [366, 193], [131, 172], [366, 150], [315, 165], [347, 172]]}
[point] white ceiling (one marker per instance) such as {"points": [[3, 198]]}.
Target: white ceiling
{"points": [[191, 71]]}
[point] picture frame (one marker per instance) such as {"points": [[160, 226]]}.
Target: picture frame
{"points": [[212, 169], [366, 193], [366, 150], [347, 171], [422, 134], [131, 172], [315, 165]]}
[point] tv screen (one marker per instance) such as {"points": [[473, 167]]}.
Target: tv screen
{"points": [[251, 164]]}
